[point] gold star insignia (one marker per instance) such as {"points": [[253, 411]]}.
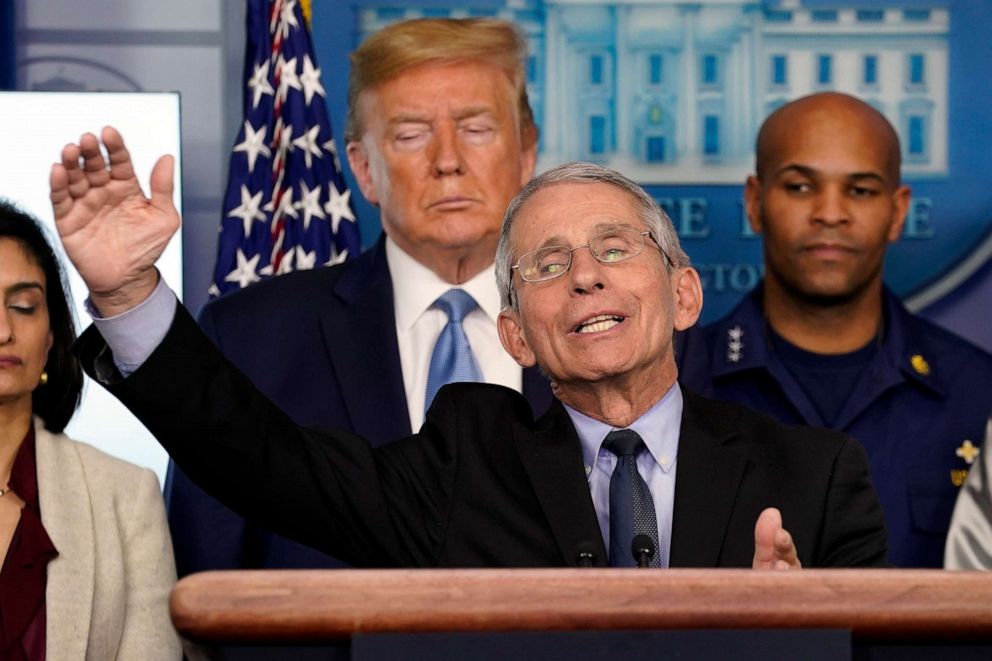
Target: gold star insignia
{"points": [[968, 452], [958, 476], [920, 364]]}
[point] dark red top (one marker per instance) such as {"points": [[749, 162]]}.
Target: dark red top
{"points": [[25, 569]]}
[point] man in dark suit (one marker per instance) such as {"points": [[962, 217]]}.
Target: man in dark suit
{"points": [[593, 285], [440, 137]]}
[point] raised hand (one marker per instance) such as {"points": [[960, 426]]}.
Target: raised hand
{"points": [[773, 546], [112, 233]]}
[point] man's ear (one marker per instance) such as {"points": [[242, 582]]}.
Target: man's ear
{"points": [[358, 159], [901, 198], [511, 334], [528, 160], [752, 202], [687, 290]]}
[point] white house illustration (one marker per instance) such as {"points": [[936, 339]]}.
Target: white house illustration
{"points": [[670, 91]]}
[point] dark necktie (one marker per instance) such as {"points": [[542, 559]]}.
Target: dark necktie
{"points": [[631, 506], [452, 359]]}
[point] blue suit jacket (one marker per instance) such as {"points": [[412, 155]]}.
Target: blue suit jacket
{"points": [[322, 345]]}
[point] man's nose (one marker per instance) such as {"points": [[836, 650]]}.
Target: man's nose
{"points": [[831, 206], [586, 272], [447, 155]]}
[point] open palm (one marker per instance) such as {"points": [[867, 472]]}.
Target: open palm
{"points": [[112, 233]]}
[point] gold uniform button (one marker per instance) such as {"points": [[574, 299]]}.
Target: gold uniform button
{"points": [[920, 364]]}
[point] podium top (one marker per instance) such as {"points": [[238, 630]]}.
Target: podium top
{"points": [[320, 606]]}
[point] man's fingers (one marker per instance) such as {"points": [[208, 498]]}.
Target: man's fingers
{"points": [[773, 545], [765, 528], [70, 156], [76, 181], [89, 149], [58, 181], [785, 550], [121, 166], [94, 165], [112, 139], [161, 184]]}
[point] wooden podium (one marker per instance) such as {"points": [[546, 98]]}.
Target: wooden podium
{"points": [[871, 607]]}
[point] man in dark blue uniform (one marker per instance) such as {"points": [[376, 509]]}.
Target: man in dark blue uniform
{"points": [[823, 342]]}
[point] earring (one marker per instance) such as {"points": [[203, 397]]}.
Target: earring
{"points": [[43, 379]]}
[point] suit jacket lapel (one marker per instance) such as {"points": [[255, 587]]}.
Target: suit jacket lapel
{"points": [[552, 457], [708, 479], [360, 334], [68, 520]]}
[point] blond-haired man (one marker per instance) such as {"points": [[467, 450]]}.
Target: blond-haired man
{"points": [[440, 137]]}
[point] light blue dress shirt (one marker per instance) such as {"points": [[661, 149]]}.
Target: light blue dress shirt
{"points": [[659, 428], [132, 336]]}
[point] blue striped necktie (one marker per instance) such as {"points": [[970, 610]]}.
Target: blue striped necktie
{"points": [[631, 506], [452, 360]]}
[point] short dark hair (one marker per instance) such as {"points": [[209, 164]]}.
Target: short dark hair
{"points": [[57, 400]]}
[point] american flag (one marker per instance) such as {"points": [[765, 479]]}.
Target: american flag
{"points": [[287, 207]]}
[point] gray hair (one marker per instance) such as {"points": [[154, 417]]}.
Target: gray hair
{"points": [[653, 216]]}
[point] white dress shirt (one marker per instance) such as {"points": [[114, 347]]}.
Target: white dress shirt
{"points": [[418, 325]]}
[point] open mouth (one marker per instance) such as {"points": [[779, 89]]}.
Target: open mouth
{"points": [[599, 323]]}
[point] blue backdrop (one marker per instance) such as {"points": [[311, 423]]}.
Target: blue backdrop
{"points": [[952, 199]]}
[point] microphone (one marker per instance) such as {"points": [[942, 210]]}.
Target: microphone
{"points": [[587, 555], [643, 550]]}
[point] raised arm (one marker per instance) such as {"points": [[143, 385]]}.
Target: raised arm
{"points": [[111, 231]]}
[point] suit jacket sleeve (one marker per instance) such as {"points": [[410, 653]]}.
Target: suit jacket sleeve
{"points": [[854, 528], [325, 489], [206, 534]]}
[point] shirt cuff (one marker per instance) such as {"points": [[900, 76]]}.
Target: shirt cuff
{"points": [[132, 336]]}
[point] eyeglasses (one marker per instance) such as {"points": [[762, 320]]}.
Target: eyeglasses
{"points": [[610, 247]]}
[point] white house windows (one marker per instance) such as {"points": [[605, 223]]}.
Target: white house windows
{"points": [[656, 71], [779, 74], [917, 135], [869, 72], [711, 135], [597, 64], [709, 70], [597, 135], [870, 15], [824, 70], [917, 130], [916, 71]]}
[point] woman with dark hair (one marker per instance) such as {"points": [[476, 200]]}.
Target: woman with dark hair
{"points": [[87, 559]]}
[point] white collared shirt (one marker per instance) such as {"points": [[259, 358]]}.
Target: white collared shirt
{"points": [[418, 325]]}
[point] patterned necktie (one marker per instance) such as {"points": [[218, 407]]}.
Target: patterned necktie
{"points": [[631, 506], [452, 360]]}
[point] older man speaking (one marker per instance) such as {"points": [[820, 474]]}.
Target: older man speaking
{"points": [[593, 283]]}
